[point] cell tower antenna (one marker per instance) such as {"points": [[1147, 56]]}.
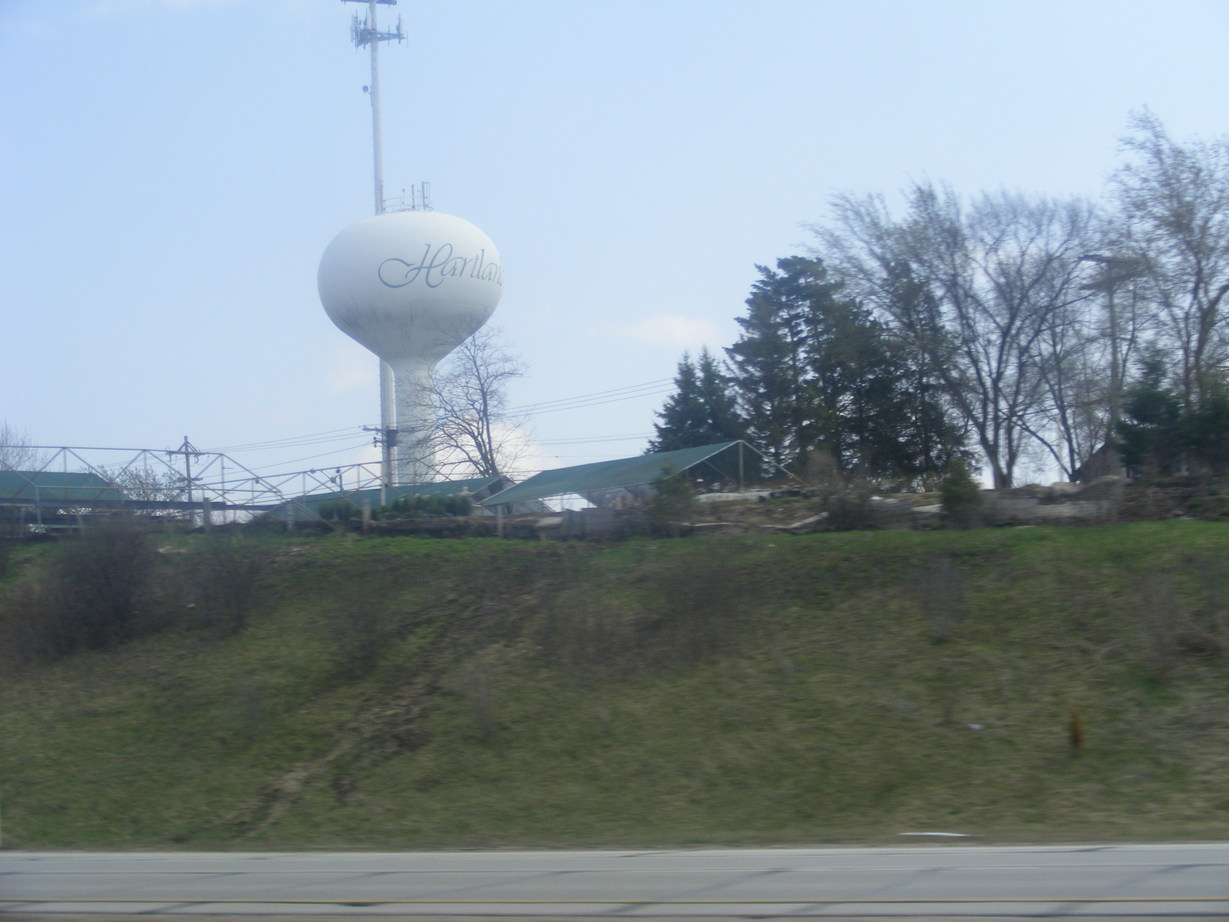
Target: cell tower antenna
{"points": [[366, 32]]}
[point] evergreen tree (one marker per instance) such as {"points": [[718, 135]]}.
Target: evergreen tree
{"points": [[1160, 434], [961, 496], [1205, 429], [858, 378], [701, 411], [819, 373], [770, 359], [1150, 433]]}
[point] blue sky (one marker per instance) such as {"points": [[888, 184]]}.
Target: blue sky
{"points": [[172, 170]]}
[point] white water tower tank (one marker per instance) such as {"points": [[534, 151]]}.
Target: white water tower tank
{"points": [[411, 286]]}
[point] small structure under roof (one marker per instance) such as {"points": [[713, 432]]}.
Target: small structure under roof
{"points": [[610, 483], [56, 489], [477, 489], [53, 498]]}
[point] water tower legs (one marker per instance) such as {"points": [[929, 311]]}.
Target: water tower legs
{"points": [[415, 404], [388, 424]]}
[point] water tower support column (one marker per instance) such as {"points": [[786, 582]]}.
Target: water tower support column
{"points": [[415, 454], [388, 423]]}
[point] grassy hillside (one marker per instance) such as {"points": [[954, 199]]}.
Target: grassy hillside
{"points": [[414, 693]]}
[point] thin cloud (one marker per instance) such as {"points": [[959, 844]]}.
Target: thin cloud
{"points": [[671, 330]]}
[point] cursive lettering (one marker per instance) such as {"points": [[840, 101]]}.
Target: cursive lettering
{"points": [[438, 264]]}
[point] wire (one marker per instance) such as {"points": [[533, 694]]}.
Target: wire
{"points": [[631, 392], [333, 435], [635, 437], [563, 404], [338, 451], [597, 398]]}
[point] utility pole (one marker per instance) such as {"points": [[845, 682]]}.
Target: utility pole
{"points": [[189, 451], [366, 33]]}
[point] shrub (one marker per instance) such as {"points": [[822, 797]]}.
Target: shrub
{"points": [[961, 496], [30, 628], [673, 504], [90, 591], [340, 510], [849, 512], [100, 580], [405, 507], [360, 628]]}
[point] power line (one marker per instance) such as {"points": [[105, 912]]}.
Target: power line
{"points": [[579, 402], [631, 392], [337, 451], [582, 401], [634, 437], [316, 438]]}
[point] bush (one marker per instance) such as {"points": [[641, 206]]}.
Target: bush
{"points": [[849, 512], [408, 507], [89, 592], [360, 628], [340, 510], [30, 628], [100, 580], [673, 504], [961, 496]]}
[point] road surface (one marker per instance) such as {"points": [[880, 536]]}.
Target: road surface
{"points": [[1137, 881]]}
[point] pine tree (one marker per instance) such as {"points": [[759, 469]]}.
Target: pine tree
{"points": [[770, 359], [1150, 433], [818, 373], [961, 496], [1160, 434], [702, 409]]}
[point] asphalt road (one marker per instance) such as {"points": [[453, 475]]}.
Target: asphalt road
{"points": [[1137, 881]]}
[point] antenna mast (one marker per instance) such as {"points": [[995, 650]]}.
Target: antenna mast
{"points": [[366, 32]]}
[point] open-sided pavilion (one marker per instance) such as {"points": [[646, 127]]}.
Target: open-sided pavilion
{"points": [[724, 466]]}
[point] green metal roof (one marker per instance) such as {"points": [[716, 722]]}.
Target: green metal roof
{"points": [[475, 487], [75, 489], [723, 459]]}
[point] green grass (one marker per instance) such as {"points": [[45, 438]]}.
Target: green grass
{"points": [[740, 690]]}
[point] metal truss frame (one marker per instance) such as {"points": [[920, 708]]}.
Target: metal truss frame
{"points": [[182, 480]]}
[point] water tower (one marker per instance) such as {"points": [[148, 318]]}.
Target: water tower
{"points": [[410, 286]]}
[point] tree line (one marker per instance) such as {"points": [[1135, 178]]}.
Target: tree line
{"points": [[1002, 329]]}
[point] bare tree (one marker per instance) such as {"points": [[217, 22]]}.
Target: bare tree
{"points": [[102, 580], [149, 485], [1174, 203], [473, 434], [988, 291], [16, 452], [1086, 357], [1072, 374], [1092, 368]]}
